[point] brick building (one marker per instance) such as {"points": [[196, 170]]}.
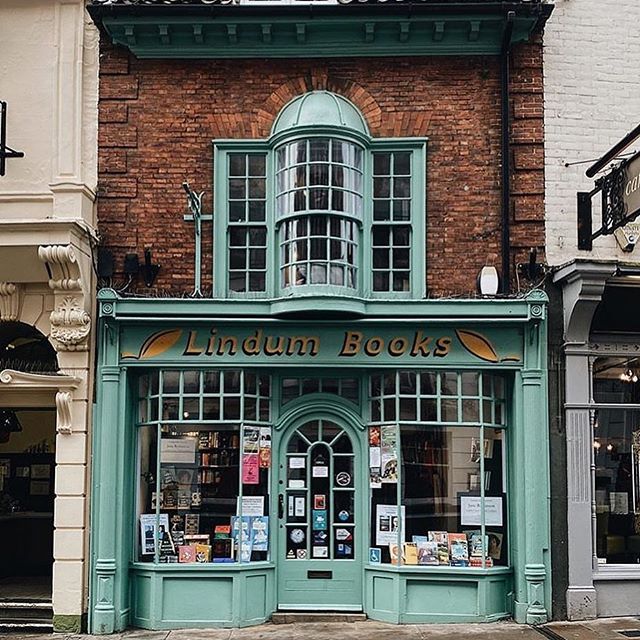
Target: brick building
{"points": [[309, 395]]}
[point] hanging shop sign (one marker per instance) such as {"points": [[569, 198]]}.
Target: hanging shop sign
{"points": [[620, 204], [288, 344]]}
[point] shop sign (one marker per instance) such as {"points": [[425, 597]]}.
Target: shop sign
{"points": [[287, 344]]}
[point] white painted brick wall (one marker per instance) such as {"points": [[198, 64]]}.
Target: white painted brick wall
{"points": [[592, 99]]}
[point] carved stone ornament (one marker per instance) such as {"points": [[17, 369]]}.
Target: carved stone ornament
{"points": [[63, 412], [10, 301], [70, 325], [64, 270]]}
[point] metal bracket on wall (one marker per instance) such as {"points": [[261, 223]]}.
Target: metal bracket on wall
{"points": [[5, 151], [194, 202]]}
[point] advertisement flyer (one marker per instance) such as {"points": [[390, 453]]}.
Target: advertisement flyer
{"points": [[387, 524], [265, 447], [389, 454]]}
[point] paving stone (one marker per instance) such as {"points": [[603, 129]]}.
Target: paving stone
{"points": [[201, 634]]}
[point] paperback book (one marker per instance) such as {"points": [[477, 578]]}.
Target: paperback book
{"points": [[441, 538], [458, 550]]}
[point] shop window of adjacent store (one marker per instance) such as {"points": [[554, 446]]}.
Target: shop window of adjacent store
{"points": [[204, 460], [437, 469], [328, 211], [616, 455]]}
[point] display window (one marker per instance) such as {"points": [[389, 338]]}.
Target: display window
{"points": [[204, 486], [438, 492], [616, 455]]}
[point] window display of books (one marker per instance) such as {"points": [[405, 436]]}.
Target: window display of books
{"points": [[199, 480], [442, 548]]}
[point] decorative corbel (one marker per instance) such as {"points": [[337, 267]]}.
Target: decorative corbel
{"points": [[62, 265], [70, 322], [10, 301], [70, 325], [63, 412]]}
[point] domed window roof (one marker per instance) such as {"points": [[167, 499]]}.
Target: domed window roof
{"points": [[320, 108]]}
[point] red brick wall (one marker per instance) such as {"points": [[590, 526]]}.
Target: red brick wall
{"points": [[158, 117]]}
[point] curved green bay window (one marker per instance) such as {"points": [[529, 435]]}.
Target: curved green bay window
{"points": [[320, 208]]}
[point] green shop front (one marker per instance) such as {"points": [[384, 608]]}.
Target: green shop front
{"points": [[394, 463]]}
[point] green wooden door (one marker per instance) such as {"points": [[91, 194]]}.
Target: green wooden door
{"points": [[320, 528]]}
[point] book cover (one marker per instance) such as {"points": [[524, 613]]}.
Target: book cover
{"points": [[260, 533], [192, 523], [203, 553], [427, 552], [458, 550], [474, 539], [187, 553], [394, 552], [222, 548], [222, 531], [410, 553], [441, 538]]}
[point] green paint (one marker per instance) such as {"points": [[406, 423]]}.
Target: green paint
{"points": [[323, 344], [326, 34], [125, 593]]}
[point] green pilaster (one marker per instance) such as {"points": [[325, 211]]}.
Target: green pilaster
{"points": [[106, 574], [530, 475]]}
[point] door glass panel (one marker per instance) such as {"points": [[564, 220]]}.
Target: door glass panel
{"points": [[320, 502]]}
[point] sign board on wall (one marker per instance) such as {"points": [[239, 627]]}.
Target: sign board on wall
{"points": [[284, 344]]}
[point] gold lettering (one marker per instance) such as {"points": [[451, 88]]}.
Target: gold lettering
{"points": [[302, 342], [420, 345], [373, 346], [232, 341], [211, 344], [251, 345], [397, 346], [270, 350], [443, 345], [351, 344], [192, 349]]}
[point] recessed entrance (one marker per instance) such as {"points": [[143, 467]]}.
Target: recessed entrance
{"points": [[319, 517], [27, 467]]}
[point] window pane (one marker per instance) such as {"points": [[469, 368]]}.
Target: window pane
{"points": [[617, 380], [617, 465]]}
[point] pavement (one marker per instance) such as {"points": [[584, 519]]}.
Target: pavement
{"points": [[603, 629]]}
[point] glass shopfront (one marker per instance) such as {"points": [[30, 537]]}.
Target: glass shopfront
{"points": [[616, 453], [386, 468]]}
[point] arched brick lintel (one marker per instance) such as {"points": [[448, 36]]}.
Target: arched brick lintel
{"points": [[317, 80]]}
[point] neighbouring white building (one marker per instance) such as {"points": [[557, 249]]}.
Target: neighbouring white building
{"points": [[48, 79], [592, 100]]}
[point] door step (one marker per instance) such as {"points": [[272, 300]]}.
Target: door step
{"points": [[293, 617], [28, 615]]}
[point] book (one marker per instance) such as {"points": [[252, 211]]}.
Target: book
{"points": [[199, 538], [441, 538], [458, 550], [187, 553], [192, 523], [394, 553], [410, 553], [477, 562], [222, 531], [222, 548], [427, 552], [203, 553], [260, 533], [474, 539]]}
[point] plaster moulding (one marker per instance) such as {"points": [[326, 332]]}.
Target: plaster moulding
{"points": [[70, 325], [11, 296], [63, 412], [63, 266], [22, 380]]}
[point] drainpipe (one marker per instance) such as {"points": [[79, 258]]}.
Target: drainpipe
{"points": [[506, 176]]}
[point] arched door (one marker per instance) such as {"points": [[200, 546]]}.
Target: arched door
{"points": [[319, 512]]}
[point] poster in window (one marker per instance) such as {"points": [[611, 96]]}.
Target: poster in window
{"points": [[151, 528], [389, 454], [178, 450], [387, 524]]}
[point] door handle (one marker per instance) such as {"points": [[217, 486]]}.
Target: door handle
{"points": [[280, 506]]}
